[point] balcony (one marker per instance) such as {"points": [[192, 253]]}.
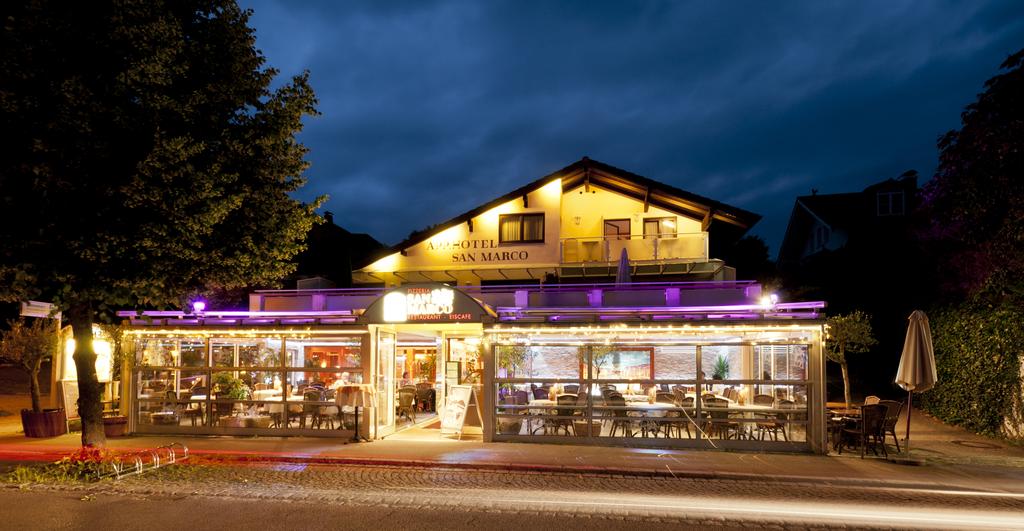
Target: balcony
{"points": [[683, 247]]}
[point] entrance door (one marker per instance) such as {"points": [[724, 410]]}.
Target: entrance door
{"points": [[385, 382]]}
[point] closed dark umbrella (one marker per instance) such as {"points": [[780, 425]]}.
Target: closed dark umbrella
{"points": [[917, 364], [622, 273]]}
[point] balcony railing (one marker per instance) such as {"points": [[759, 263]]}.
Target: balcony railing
{"points": [[685, 247]]}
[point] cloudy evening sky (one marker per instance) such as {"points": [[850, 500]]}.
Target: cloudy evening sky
{"points": [[432, 108]]}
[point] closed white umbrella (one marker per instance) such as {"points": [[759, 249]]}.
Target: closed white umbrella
{"points": [[622, 273], [917, 364]]}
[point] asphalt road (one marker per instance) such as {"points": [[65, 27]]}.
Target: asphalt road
{"points": [[347, 497]]}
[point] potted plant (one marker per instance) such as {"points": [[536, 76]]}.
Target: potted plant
{"points": [[27, 345], [231, 387], [720, 371]]}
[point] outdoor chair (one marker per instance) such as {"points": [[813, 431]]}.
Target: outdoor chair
{"points": [[541, 393], [553, 425], [407, 403], [892, 415], [764, 400], [777, 424], [671, 420], [522, 397], [871, 400], [719, 423], [310, 410], [870, 432], [621, 417], [571, 389]]}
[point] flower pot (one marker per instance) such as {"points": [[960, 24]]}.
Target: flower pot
{"points": [[46, 423], [115, 426], [585, 429], [510, 428]]}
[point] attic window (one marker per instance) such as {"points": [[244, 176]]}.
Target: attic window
{"points": [[890, 203], [521, 228]]}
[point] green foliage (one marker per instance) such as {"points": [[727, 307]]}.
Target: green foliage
{"points": [[720, 371], [974, 207], [84, 464], [145, 157], [230, 386], [27, 344], [513, 358], [848, 333], [978, 351]]}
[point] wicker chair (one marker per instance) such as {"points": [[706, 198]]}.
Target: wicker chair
{"points": [[621, 418], [892, 415], [871, 431], [565, 409], [777, 424], [407, 403], [719, 422]]}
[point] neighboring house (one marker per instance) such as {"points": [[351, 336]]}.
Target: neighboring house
{"points": [[572, 226], [332, 253], [829, 222]]}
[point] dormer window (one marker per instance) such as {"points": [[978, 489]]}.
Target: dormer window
{"points": [[890, 203]]}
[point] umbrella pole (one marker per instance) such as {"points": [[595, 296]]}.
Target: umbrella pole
{"points": [[910, 409]]}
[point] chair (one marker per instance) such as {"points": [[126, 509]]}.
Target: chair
{"points": [[872, 399], [672, 418], [892, 415], [310, 410], [407, 403], [563, 423], [170, 411], [541, 393], [620, 416], [764, 400], [425, 397], [870, 432], [778, 423], [718, 419], [522, 397], [571, 389]]}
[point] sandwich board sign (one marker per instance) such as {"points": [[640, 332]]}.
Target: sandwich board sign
{"points": [[457, 406]]}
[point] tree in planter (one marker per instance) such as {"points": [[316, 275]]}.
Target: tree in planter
{"points": [[848, 333], [145, 157], [28, 344]]}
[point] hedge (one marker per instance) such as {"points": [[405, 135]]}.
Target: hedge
{"points": [[978, 355]]}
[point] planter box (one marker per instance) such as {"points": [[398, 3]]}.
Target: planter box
{"points": [[257, 422], [47, 423], [232, 422], [115, 426], [585, 429]]}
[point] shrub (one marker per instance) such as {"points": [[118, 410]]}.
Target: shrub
{"points": [[978, 355]]}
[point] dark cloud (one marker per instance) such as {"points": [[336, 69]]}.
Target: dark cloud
{"points": [[430, 109]]}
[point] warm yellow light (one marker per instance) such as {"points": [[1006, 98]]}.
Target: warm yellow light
{"points": [[102, 349]]}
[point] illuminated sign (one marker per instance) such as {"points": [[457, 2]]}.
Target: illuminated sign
{"points": [[426, 303], [422, 304], [486, 250]]}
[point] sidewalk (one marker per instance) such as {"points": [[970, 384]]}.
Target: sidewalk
{"points": [[953, 457]]}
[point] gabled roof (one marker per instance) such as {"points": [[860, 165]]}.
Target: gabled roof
{"points": [[586, 172], [834, 210]]}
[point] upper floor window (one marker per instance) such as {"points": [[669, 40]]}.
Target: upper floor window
{"points": [[616, 229], [890, 203], [521, 228], [659, 227]]}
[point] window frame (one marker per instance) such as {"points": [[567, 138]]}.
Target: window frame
{"points": [[658, 221], [522, 227], [892, 200], [617, 236]]}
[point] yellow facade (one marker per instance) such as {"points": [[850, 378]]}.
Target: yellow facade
{"points": [[591, 214]]}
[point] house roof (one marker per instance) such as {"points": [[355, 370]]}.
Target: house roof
{"points": [[834, 210], [586, 172]]}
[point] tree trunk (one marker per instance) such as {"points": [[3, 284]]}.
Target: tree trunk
{"points": [[34, 386], [90, 407], [846, 384]]}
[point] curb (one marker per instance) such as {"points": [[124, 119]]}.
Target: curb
{"points": [[228, 458], [242, 458]]}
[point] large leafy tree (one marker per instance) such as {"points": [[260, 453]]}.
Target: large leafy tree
{"points": [[27, 344], [144, 156], [974, 207]]}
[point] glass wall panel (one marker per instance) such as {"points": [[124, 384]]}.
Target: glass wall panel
{"points": [[156, 352]]}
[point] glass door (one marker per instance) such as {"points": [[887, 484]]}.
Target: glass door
{"points": [[385, 382]]}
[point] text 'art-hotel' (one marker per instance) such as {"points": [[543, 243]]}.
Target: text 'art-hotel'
{"points": [[586, 307]]}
